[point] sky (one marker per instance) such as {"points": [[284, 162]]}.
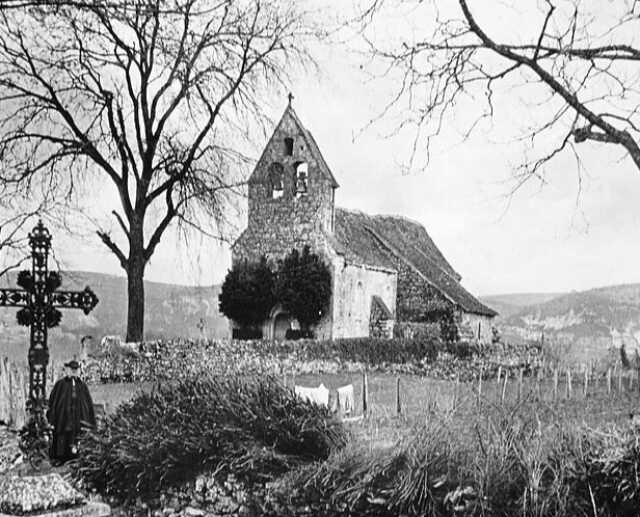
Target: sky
{"points": [[568, 234]]}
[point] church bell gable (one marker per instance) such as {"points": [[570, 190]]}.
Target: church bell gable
{"points": [[292, 184]]}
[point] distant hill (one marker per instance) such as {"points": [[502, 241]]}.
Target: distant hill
{"points": [[589, 322], [508, 304], [170, 311]]}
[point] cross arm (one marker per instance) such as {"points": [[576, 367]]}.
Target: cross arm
{"points": [[85, 300], [14, 298]]}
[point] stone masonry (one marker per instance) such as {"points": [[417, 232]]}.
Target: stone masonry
{"points": [[291, 204]]}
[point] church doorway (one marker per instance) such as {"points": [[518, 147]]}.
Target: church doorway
{"points": [[281, 324]]}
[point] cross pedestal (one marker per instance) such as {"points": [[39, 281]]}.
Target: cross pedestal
{"points": [[39, 301]]}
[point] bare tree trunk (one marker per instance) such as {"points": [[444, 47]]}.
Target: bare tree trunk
{"points": [[135, 287]]}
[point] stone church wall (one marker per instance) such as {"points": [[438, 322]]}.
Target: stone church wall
{"points": [[353, 287], [413, 293], [479, 325], [275, 226]]}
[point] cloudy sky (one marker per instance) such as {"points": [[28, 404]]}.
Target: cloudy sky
{"points": [[568, 234]]}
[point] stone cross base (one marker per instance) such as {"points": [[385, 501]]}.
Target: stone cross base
{"points": [[48, 495], [86, 510]]}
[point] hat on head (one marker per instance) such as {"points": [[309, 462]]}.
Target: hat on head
{"points": [[74, 365]]}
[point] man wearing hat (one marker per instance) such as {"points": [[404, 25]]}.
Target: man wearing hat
{"points": [[70, 411]]}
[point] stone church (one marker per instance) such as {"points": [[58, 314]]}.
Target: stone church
{"points": [[385, 269]]}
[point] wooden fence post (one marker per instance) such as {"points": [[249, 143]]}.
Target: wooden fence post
{"points": [[586, 382], [520, 385], [569, 383], [609, 381], [365, 393], [480, 384], [504, 386], [620, 380], [398, 406], [555, 384], [455, 392], [5, 394]]}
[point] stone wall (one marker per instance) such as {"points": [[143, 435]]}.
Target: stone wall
{"points": [[380, 326], [275, 226], [480, 326], [414, 294], [416, 329], [353, 287]]}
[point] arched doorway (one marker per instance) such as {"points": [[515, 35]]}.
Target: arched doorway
{"points": [[281, 324]]}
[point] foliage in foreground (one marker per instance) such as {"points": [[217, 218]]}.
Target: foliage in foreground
{"points": [[504, 465], [254, 428]]}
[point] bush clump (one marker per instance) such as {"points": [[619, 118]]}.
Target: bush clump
{"points": [[374, 351], [254, 428], [412, 478]]}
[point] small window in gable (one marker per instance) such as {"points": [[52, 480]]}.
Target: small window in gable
{"points": [[288, 146], [301, 178], [276, 173]]}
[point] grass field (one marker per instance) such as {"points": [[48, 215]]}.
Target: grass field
{"points": [[421, 397]]}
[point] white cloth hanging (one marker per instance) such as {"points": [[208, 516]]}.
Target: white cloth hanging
{"points": [[319, 395]]}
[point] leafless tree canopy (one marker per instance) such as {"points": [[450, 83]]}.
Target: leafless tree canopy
{"points": [[580, 53], [152, 95], [16, 221]]}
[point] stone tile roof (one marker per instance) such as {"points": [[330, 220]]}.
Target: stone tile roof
{"points": [[380, 240]]}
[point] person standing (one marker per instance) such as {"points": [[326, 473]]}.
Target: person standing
{"points": [[70, 411]]}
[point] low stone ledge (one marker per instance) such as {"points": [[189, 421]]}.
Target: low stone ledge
{"points": [[85, 510], [46, 495]]}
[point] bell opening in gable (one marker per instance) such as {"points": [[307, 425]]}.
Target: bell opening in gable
{"points": [[301, 179], [276, 173], [288, 146]]}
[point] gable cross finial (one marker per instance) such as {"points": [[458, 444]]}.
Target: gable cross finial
{"points": [[290, 98]]}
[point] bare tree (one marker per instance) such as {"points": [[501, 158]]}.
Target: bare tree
{"points": [[153, 96], [14, 232], [579, 55]]}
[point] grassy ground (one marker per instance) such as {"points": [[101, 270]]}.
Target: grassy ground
{"points": [[421, 397]]}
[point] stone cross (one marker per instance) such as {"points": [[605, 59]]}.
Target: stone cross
{"points": [[39, 300]]}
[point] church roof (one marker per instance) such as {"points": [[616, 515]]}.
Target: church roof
{"points": [[312, 145], [381, 239]]}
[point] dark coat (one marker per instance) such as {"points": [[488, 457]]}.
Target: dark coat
{"points": [[70, 411]]}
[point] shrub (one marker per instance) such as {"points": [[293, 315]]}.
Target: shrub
{"points": [[253, 427], [295, 334], [373, 351], [412, 478], [246, 333], [246, 296], [462, 349], [303, 286]]}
